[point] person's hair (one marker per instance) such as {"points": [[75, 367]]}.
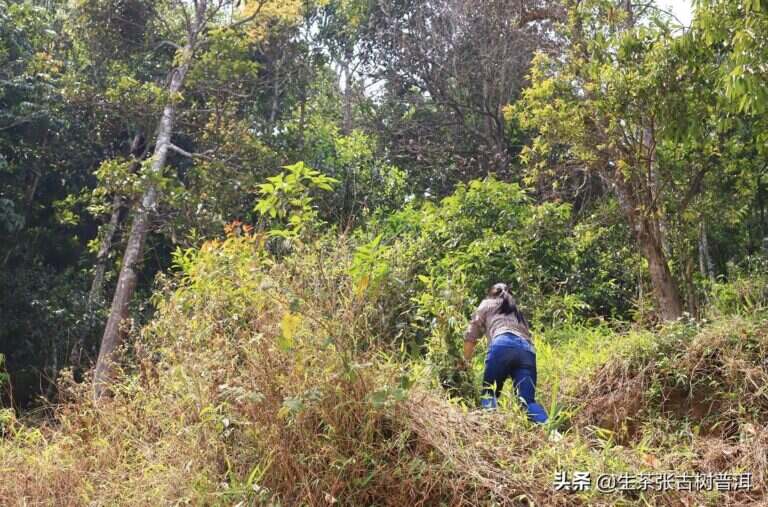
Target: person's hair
{"points": [[508, 304]]}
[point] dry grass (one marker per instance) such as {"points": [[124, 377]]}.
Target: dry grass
{"points": [[703, 390], [262, 384]]}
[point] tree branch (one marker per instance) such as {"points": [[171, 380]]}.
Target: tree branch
{"points": [[187, 154], [166, 43], [249, 18]]}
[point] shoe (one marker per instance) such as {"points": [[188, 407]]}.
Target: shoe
{"points": [[555, 436], [489, 403]]}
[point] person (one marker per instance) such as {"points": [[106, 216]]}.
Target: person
{"points": [[511, 353]]}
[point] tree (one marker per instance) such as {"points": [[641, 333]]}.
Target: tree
{"points": [[47, 152], [447, 69], [735, 34], [612, 105], [199, 25], [341, 25], [740, 28]]}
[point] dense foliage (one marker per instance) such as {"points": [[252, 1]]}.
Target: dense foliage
{"points": [[241, 239]]}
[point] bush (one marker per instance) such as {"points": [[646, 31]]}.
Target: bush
{"points": [[490, 231], [745, 291], [266, 382]]}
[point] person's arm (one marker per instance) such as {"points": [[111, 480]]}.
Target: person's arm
{"points": [[474, 332], [469, 350]]}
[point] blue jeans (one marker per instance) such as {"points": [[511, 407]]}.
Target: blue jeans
{"points": [[510, 356]]}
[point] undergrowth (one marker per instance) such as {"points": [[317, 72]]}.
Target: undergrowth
{"points": [[266, 383]]}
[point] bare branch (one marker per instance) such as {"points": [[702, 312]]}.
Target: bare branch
{"points": [[166, 43], [249, 18], [187, 154]]}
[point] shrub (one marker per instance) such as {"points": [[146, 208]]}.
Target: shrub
{"points": [[745, 291], [266, 382]]}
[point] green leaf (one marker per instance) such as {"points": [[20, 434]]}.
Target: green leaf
{"points": [[288, 326]]}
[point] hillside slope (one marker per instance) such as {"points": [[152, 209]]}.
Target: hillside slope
{"points": [[262, 383]]}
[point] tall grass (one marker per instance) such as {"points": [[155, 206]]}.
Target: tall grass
{"points": [[264, 383]]}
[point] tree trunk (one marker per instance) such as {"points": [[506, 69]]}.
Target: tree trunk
{"points": [[648, 225], [138, 151], [126, 283], [302, 118], [275, 96], [705, 259], [647, 232], [96, 294], [346, 122], [54, 370], [664, 287], [690, 289]]}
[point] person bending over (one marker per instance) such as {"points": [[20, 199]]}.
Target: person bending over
{"points": [[510, 353]]}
